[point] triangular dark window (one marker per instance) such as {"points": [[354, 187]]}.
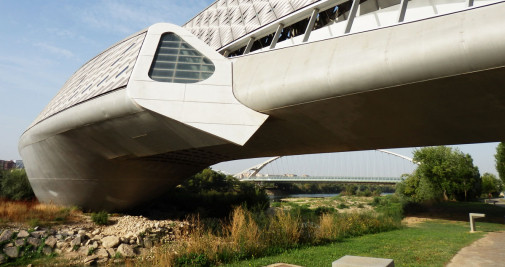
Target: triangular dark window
{"points": [[176, 61]]}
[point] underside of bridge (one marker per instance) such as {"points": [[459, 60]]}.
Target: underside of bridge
{"points": [[117, 136]]}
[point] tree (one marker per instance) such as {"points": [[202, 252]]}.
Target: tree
{"points": [[15, 185], [443, 173], [210, 180], [500, 160], [491, 185]]}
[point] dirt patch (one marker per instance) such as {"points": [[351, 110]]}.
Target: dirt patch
{"points": [[342, 204]]}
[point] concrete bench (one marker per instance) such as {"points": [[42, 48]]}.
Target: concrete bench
{"points": [[356, 261], [472, 222]]}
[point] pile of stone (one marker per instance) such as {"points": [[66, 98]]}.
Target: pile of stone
{"points": [[128, 237]]}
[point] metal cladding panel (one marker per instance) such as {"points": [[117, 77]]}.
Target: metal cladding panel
{"points": [[226, 34], [104, 73], [265, 12], [243, 16]]}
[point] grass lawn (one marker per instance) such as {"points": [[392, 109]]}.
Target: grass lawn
{"points": [[431, 243]]}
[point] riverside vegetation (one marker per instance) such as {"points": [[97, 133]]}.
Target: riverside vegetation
{"points": [[249, 234], [252, 230], [249, 231]]}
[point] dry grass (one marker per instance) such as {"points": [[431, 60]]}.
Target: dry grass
{"points": [[247, 236], [243, 231], [284, 230], [33, 212], [327, 230]]}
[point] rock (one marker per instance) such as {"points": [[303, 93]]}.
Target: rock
{"points": [[38, 234], [81, 232], [34, 241], [51, 231], [83, 251], [148, 243], [90, 260], [61, 244], [6, 235], [126, 250], [76, 241], [19, 242], [102, 253], [69, 232], [23, 234], [98, 237], [93, 244], [111, 252], [51, 241], [11, 252], [110, 241], [47, 250], [123, 240], [2, 258], [97, 231]]}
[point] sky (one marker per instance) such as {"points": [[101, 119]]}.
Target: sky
{"points": [[42, 43]]}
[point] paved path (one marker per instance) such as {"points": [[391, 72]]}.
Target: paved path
{"points": [[487, 251]]}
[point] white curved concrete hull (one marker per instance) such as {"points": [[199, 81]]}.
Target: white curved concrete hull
{"points": [[436, 81]]}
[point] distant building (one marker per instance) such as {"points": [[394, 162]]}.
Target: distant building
{"points": [[7, 165], [20, 164]]}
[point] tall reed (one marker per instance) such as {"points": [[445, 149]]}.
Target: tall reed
{"points": [[249, 235]]}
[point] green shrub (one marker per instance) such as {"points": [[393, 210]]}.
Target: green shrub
{"points": [[342, 206], [100, 218], [323, 210], [15, 185]]}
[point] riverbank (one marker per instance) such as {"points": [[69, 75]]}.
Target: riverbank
{"points": [[69, 236]]}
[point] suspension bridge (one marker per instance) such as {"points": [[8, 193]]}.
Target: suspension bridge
{"points": [[373, 166]]}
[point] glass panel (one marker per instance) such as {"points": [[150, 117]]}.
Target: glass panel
{"points": [[190, 59], [159, 58], [187, 74], [165, 65], [178, 62]]}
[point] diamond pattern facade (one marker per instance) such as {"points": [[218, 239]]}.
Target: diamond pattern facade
{"points": [[104, 73], [221, 23], [227, 20]]}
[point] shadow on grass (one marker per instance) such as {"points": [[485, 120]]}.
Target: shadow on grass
{"points": [[458, 211]]}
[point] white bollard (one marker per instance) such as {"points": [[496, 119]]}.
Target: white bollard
{"points": [[474, 216]]}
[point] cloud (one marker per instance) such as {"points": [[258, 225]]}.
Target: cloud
{"points": [[65, 34], [127, 17], [55, 50]]}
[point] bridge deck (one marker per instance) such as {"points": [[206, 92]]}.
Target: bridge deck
{"points": [[281, 178]]}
